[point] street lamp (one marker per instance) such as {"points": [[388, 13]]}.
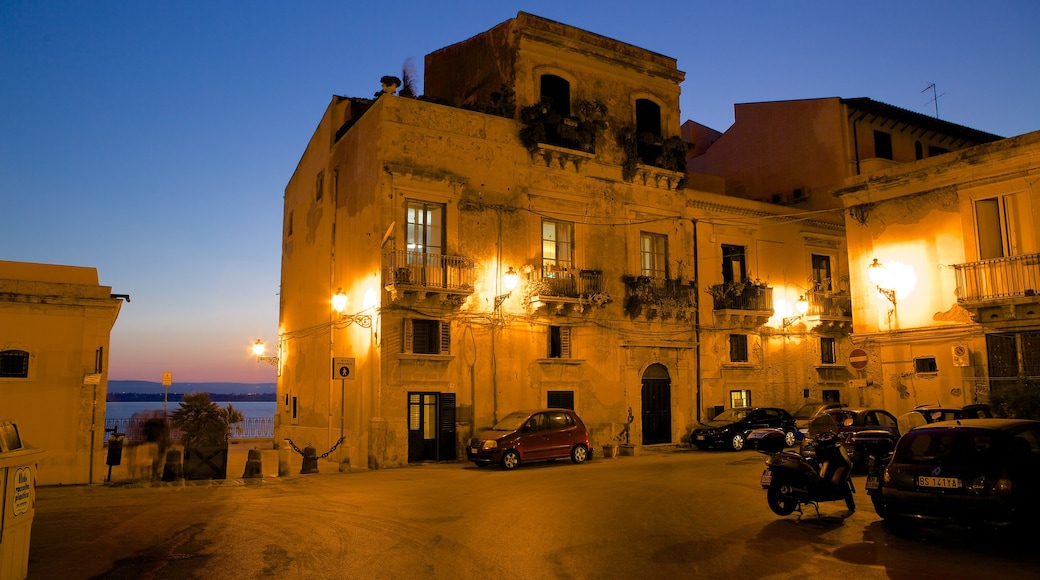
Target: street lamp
{"points": [[880, 277], [509, 280], [258, 350], [339, 304], [802, 306]]}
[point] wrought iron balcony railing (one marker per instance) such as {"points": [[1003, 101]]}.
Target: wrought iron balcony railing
{"points": [[433, 272], [829, 304], [568, 283], [742, 296], [998, 278]]}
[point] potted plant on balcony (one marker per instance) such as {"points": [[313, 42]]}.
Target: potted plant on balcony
{"points": [[206, 429]]}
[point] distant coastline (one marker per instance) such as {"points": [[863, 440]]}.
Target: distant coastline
{"points": [[148, 391], [176, 397]]}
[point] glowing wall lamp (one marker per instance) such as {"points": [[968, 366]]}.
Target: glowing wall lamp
{"points": [[880, 277], [509, 280], [258, 350], [339, 304], [802, 306]]}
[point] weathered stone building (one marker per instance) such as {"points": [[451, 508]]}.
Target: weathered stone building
{"points": [[525, 234], [797, 152], [55, 328], [946, 274]]}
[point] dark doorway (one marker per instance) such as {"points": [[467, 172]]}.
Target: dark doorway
{"points": [[431, 427], [657, 405]]}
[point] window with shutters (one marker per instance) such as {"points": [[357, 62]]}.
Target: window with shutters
{"points": [[653, 255], [738, 348], [557, 246], [560, 400], [422, 336], [14, 364], [559, 342], [828, 350]]}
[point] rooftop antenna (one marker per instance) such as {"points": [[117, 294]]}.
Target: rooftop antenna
{"points": [[935, 98]]}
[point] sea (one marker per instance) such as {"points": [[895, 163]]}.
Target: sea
{"points": [[127, 410]]}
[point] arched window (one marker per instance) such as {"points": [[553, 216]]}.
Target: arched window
{"points": [[14, 363], [556, 92]]}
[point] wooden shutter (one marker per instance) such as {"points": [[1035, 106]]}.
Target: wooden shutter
{"points": [[445, 337], [565, 342], [406, 337]]}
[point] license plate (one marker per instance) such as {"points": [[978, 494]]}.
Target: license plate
{"points": [[767, 478], [700, 437], [939, 482], [872, 482]]}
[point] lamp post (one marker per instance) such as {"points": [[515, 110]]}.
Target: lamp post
{"points": [[258, 350], [802, 306], [880, 277]]}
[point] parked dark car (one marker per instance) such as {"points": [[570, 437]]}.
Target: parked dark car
{"points": [[924, 414], [730, 429], [534, 435], [846, 422], [965, 472], [806, 412]]}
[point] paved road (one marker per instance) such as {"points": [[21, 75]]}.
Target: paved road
{"points": [[686, 514]]}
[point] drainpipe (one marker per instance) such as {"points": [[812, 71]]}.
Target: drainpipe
{"points": [[696, 323]]}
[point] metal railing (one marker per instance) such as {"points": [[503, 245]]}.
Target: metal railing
{"points": [[404, 268], [1009, 277], [566, 283], [750, 297], [651, 291], [823, 303], [251, 428]]}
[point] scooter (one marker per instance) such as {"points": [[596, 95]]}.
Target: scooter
{"points": [[792, 479]]}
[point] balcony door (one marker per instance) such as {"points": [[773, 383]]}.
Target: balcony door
{"points": [[425, 238]]}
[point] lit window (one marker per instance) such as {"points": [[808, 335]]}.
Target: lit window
{"points": [[653, 255]]}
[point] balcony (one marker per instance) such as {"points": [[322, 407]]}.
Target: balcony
{"points": [[1000, 290], [660, 298], [419, 276], [829, 311], [746, 304], [561, 288]]}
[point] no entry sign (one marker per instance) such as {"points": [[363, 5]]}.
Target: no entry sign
{"points": [[858, 358]]}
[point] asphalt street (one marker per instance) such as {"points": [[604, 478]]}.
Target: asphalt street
{"points": [[683, 514]]}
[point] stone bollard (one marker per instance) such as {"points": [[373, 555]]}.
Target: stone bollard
{"points": [[283, 460], [310, 460], [173, 470], [254, 465]]}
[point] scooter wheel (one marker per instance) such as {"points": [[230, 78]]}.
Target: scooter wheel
{"points": [[781, 503], [850, 501]]}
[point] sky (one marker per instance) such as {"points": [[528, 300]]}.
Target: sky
{"points": [[153, 140]]}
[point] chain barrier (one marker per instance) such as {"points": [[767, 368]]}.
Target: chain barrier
{"points": [[323, 455]]}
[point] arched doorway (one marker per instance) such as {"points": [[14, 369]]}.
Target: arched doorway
{"points": [[657, 405]]}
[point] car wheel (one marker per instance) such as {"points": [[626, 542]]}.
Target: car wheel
{"points": [[510, 459], [737, 442], [879, 505], [789, 438], [579, 454], [781, 503]]}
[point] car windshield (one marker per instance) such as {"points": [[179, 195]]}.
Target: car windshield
{"points": [[807, 411], [511, 422], [731, 415]]}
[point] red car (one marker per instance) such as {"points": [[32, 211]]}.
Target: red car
{"points": [[535, 435]]}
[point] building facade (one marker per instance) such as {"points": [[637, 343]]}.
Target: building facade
{"points": [[55, 328], [797, 152], [533, 239], [944, 269]]}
